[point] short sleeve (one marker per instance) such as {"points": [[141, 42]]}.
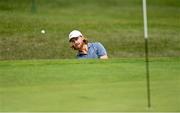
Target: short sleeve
{"points": [[101, 51]]}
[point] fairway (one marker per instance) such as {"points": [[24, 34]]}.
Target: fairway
{"points": [[89, 85]]}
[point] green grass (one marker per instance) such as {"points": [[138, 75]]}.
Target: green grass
{"points": [[115, 23], [89, 85]]}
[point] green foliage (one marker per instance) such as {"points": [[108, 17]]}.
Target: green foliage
{"points": [[117, 24]]}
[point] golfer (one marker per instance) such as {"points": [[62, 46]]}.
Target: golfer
{"points": [[84, 48]]}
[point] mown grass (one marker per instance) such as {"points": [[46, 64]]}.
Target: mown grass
{"points": [[89, 85], [116, 23]]}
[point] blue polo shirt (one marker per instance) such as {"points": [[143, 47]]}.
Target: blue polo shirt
{"points": [[95, 50]]}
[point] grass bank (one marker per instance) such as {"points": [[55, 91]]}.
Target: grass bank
{"points": [[115, 23]]}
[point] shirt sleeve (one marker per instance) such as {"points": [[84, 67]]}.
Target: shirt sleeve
{"points": [[101, 51]]}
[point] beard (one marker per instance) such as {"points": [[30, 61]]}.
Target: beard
{"points": [[79, 46]]}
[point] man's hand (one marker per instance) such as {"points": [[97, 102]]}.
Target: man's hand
{"points": [[104, 57]]}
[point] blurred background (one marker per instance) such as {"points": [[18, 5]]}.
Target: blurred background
{"points": [[117, 24]]}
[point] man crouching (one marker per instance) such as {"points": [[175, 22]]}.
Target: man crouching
{"points": [[85, 49]]}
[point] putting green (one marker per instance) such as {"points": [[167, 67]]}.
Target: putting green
{"points": [[89, 85]]}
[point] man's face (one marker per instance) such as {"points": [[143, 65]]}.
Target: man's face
{"points": [[76, 42]]}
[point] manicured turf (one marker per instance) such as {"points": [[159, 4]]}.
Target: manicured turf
{"points": [[89, 85]]}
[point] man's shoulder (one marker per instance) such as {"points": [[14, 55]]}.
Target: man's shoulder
{"points": [[94, 44]]}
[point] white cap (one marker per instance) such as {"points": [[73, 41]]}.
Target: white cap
{"points": [[74, 33]]}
